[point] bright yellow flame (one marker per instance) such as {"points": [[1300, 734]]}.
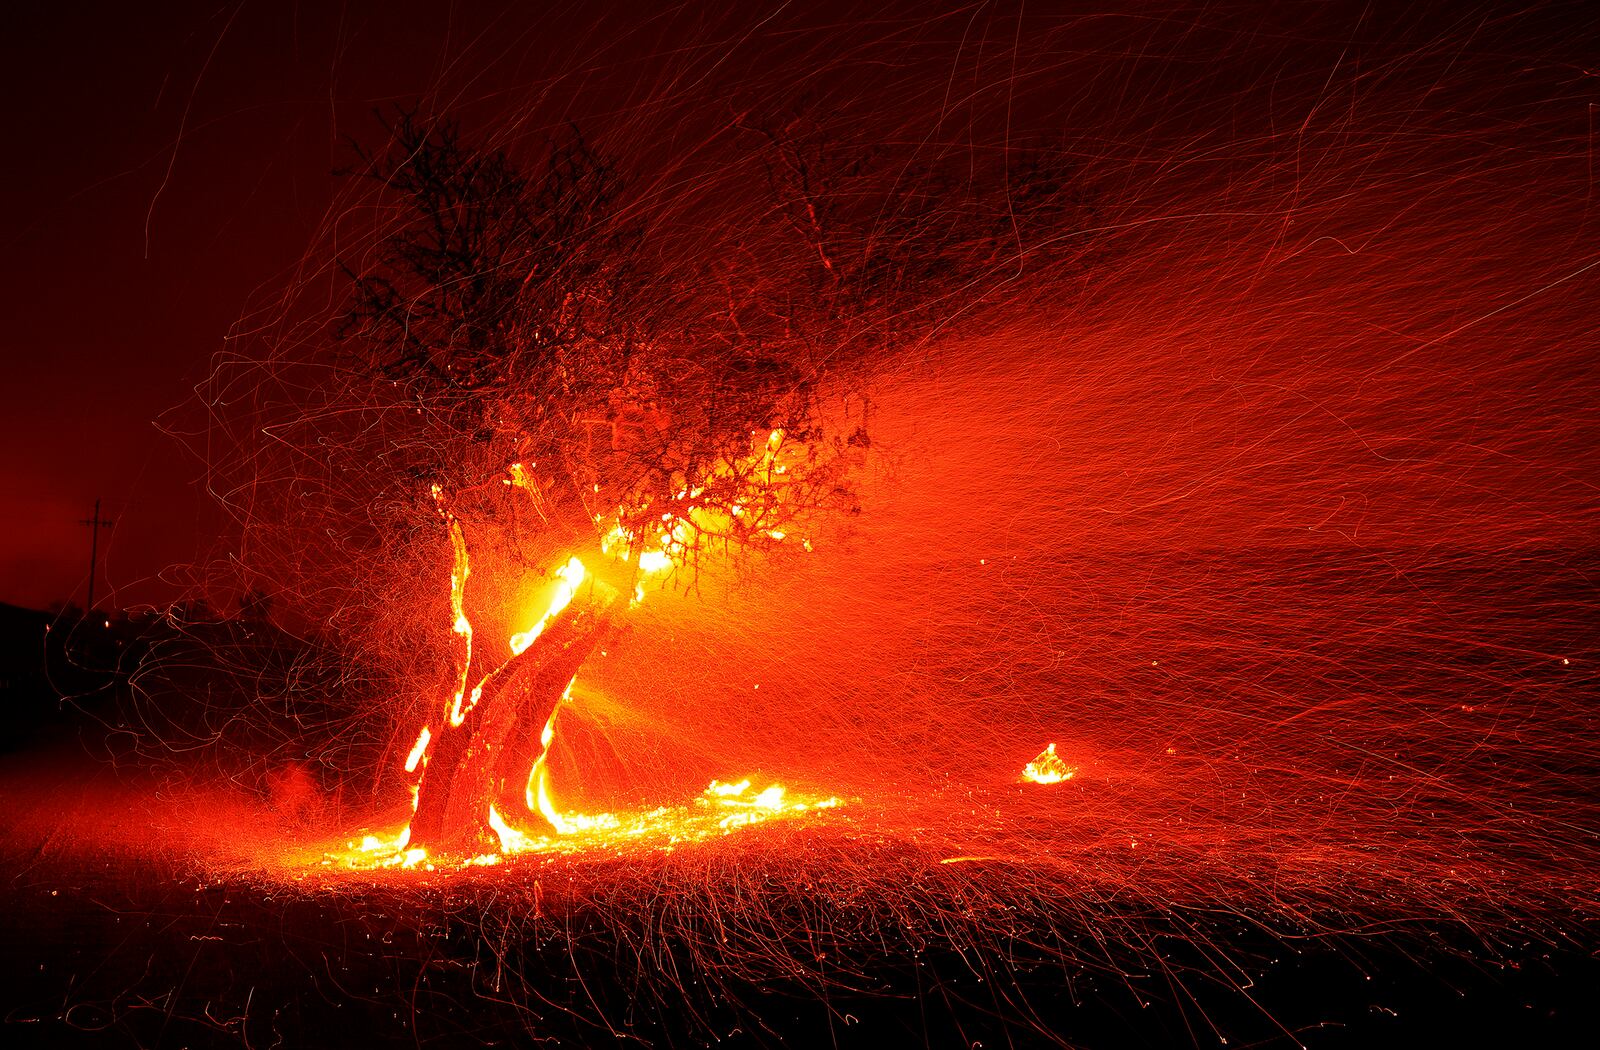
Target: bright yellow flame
{"points": [[568, 578], [721, 810], [753, 809], [419, 749], [511, 840], [536, 795], [460, 569], [654, 561], [376, 852], [1047, 768], [458, 714]]}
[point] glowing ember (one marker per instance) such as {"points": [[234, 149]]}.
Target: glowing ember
{"points": [[723, 808], [754, 808], [1047, 768]]}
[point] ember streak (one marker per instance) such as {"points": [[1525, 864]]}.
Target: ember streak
{"points": [[976, 522]]}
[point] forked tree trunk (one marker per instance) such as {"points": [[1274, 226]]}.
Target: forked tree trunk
{"points": [[467, 763]]}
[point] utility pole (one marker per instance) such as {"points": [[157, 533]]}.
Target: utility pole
{"points": [[95, 524]]}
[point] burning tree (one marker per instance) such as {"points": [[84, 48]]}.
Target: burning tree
{"points": [[599, 401], [584, 406]]}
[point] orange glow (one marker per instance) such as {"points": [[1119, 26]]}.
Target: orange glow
{"points": [[1047, 768]]}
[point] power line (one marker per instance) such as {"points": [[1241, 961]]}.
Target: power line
{"points": [[95, 524]]}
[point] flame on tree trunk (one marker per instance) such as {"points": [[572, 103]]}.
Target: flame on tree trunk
{"points": [[485, 759], [480, 772]]}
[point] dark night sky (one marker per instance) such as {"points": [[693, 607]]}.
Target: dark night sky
{"points": [[166, 160]]}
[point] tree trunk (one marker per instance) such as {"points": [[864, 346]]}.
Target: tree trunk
{"points": [[463, 771]]}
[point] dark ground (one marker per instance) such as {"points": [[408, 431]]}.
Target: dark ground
{"points": [[115, 937], [123, 954]]}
